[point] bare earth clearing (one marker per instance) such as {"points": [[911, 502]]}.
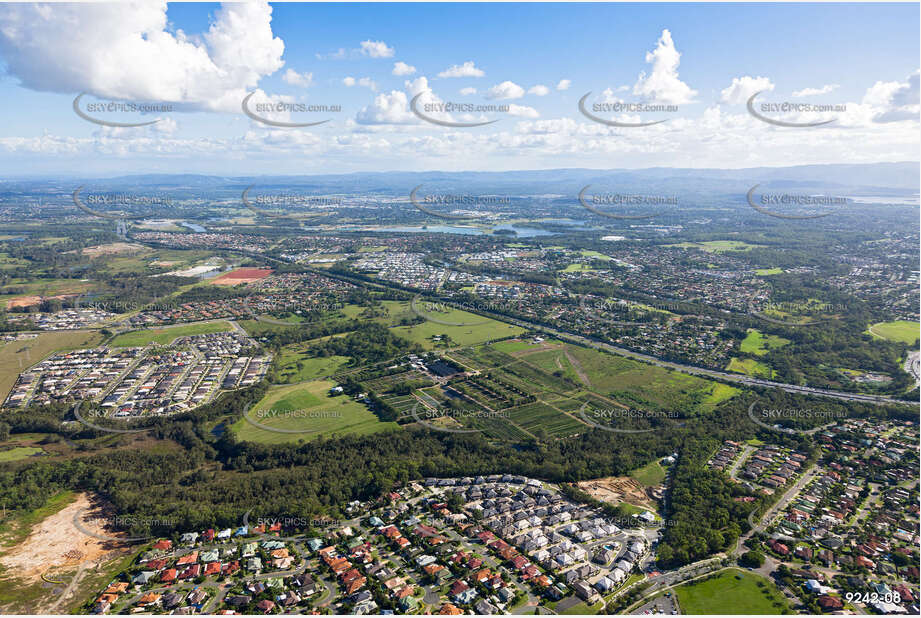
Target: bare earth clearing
{"points": [[617, 489]]}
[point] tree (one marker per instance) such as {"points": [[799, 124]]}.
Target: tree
{"points": [[752, 558]]}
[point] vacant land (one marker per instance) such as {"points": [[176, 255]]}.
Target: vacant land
{"points": [[717, 246], [731, 592], [18, 452], [759, 344], [16, 356], [650, 475], [750, 367], [474, 328], [43, 551], [901, 330], [164, 336], [296, 365], [616, 490], [306, 411], [768, 271]]}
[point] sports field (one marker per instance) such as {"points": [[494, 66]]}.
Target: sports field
{"points": [[164, 336], [901, 330], [731, 592], [310, 411]]}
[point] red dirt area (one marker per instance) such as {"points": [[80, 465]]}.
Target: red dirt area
{"points": [[242, 275]]}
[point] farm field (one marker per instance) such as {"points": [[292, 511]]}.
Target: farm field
{"points": [[15, 356], [316, 413], [901, 330], [539, 416], [759, 344], [731, 592], [165, 336]]}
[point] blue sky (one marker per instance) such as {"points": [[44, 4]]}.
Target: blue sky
{"points": [[705, 59]]}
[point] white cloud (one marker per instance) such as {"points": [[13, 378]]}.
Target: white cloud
{"points": [[523, 111], [662, 83], [298, 79], [564, 84], [469, 90], [390, 108], [742, 88], [468, 69], [376, 49], [894, 101], [811, 92], [366, 82], [339, 54], [505, 90], [539, 90], [126, 52], [401, 68]]}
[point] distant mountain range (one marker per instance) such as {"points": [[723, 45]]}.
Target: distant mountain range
{"points": [[878, 179]]}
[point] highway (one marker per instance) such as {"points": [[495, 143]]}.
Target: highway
{"points": [[600, 345]]}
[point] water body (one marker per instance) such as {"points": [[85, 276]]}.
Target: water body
{"points": [[521, 232], [193, 226]]}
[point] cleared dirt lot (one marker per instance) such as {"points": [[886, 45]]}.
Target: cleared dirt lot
{"points": [[617, 489]]}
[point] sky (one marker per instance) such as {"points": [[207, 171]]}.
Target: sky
{"points": [[691, 67]]}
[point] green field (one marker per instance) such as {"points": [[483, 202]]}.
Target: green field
{"points": [[901, 330], [731, 592], [18, 452], [477, 329], [165, 336], [768, 271], [650, 475], [759, 344], [296, 366], [717, 246], [316, 413], [750, 367], [642, 385]]}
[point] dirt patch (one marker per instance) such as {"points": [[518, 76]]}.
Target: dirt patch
{"points": [[115, 248], [617, 489], [56, 543], [242, 275], [23, 301]]}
